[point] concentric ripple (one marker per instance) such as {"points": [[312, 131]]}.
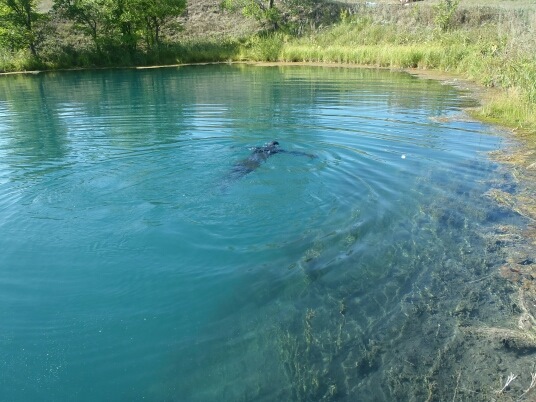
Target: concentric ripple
{"points": [[134, 266]]}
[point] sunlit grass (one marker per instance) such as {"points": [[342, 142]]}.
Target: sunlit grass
{"points": [[511, 108], [495, 47], [499, 53], [16, 61]]}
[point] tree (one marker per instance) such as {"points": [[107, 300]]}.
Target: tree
{"points": [[154, 14], [445, 11], [89, 16], [263, 11], [122, 22], [289, 15], [159, 16], [18, 18]]}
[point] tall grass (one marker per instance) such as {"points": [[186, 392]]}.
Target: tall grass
{"points": [[492, 46], [21, 60], [496, 48]]}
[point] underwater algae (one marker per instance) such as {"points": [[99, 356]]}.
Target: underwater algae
{"points": [[459, 330]]}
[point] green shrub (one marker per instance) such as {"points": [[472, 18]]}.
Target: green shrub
{"points": [[445, 10]]}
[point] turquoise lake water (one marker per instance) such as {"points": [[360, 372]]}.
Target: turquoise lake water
{"points": [[135, 266]]}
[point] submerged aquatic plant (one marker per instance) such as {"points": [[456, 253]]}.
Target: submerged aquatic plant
{"points": [[531, 386], [509, 380]]}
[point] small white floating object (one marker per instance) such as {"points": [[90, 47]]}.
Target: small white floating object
{"points": [[403, 156]]}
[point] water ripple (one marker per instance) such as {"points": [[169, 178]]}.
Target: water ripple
{"points": [[135, 263]]}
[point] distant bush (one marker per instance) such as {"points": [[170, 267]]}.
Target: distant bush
{"points": [[445, 10]]}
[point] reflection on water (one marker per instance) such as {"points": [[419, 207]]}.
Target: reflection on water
{"points": [[126, 272]]}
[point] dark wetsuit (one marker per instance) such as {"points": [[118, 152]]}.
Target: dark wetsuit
{"points": [[258, 156]]}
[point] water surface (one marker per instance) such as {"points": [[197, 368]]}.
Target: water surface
{"points": [[134, 266]]}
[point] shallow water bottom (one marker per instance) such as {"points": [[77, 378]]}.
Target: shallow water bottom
{"points": [[428, 318]]}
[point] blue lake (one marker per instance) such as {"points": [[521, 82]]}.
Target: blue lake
{"points": [[135, 265]]}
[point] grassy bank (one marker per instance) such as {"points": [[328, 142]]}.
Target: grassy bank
{"points": [[494, 46]]}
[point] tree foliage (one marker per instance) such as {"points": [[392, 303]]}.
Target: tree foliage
{"points": [[154, 14], [287, 15], [127, 23], [445, 10], [17, 28], [264, 11], [128, 31], [89, 16]]}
